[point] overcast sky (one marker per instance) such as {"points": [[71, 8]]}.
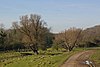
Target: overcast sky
{"points": [[59, 14]]}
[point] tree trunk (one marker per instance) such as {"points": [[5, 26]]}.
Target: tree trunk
{"points": [[34, 49], [70, 48]]}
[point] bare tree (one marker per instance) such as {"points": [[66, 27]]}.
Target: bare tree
{"points": [[34, 29], [69, 38]]}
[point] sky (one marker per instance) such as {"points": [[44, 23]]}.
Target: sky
{"points": [[59, 14]]}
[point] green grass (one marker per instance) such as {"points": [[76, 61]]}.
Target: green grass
{"points": [[96, 57], [4, 55], [44, 59]]}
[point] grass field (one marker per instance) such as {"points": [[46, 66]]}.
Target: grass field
{"points": [[44, 59]]}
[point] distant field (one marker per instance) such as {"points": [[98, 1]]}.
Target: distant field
{"points": [[45, 59]]}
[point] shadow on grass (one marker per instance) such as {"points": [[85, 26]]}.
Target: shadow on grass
{"points": [[49, 53], [26, 54], [42, 53]]}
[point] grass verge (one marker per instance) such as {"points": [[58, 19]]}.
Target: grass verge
{"points": [[96, 58]]}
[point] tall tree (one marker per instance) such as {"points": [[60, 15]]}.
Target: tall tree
{"points": [[34, 30]]}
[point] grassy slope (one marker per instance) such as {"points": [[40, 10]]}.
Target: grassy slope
{"points": [[96, 58], [49, 59]]}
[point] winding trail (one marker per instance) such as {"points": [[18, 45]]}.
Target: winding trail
{"points": [[78, 59]]}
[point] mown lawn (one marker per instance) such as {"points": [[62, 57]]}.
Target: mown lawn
{"points": [[45, 59]]}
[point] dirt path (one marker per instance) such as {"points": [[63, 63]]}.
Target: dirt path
{"points": [[78, 59]]}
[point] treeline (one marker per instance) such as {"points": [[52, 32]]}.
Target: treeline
{"points": [[31, 32]]}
